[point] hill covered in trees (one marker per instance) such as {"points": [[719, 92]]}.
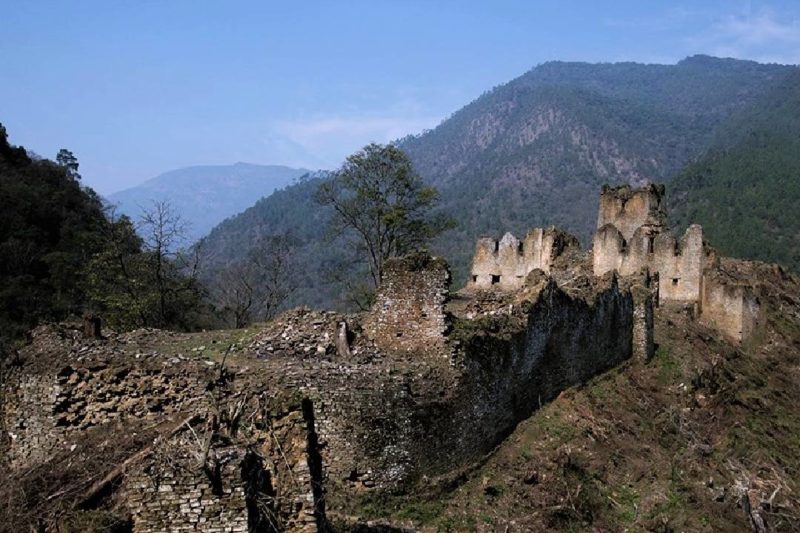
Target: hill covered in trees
{"points": [[61, 256], [50, 225], [745, 189], [534, 152]]}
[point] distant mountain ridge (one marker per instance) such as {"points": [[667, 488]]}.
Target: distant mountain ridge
{"points": [[536, 151], [206, 195]]}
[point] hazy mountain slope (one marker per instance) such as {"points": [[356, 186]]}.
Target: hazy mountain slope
{"points": [[745, 190], [207, 195], [292, 212], [536, 151]]}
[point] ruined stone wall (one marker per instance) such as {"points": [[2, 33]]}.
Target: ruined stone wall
{"points": [[171, 491], [504, 264], [629, 209], [48, 408], [679, 265], [553, 343], [376, 419], [72, 394], [264, 482], [408, 315], [732, 308]]}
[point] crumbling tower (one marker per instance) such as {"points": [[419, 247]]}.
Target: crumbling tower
{"points": [[633, 236], [630, 210]]}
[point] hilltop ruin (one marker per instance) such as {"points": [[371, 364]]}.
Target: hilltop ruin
{"points": [[632, 239], [320, 409]]}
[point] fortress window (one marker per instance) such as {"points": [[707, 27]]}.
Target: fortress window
{"points": [[675, 282], [495, 279], [650, 244], [474, 279], [519, 248], [624, 246], [496, 246]]}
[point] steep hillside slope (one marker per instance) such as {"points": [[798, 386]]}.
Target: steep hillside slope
{"points": [[50, 225], [294, 213], [669, 445], [206, 195], [745, 190]]}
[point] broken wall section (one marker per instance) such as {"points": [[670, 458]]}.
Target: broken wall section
{"points": [[259, 478], [66, 387], [679, 264], [511, 364], [731, 307], [409, 315], [629, 209], [505, 264]]}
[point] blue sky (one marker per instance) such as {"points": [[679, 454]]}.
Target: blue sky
{"points": [[139, 88]]}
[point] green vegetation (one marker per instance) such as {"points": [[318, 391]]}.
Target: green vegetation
{"points": [[381, 207], [61, 256], [50, 225], [746, 188]]}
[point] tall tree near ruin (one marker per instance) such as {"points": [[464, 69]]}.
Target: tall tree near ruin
{"points": [[382, 206]]}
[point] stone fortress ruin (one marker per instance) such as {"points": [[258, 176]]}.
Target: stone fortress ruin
{"points": [[632, 239], [319, 409]]}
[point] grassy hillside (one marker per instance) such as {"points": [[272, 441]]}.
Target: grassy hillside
{"points": [[745, 190]]}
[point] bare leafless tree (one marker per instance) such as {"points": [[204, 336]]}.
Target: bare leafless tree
{"points": [[256, 286]]}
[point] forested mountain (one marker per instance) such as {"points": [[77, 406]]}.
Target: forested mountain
{"points": [[536, 151], [291, 212], [49, 228], [61, 256], [206, 195], [745, 190]]}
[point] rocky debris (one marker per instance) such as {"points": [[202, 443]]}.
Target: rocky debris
{"points": [[305, 333]]}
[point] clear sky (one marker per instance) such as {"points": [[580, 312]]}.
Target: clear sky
{"points": [[137, 88]]}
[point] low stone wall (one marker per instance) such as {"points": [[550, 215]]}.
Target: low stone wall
{"points": [[47, 408], [171, 492]]}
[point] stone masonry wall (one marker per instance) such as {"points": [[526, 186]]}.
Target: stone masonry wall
{"points": [[732, 308], [408, 315], [679, 265], [265, 482], [506, 263], [629, 209], [171, 492], [48, 409], [96, 393], [552, 343]]}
